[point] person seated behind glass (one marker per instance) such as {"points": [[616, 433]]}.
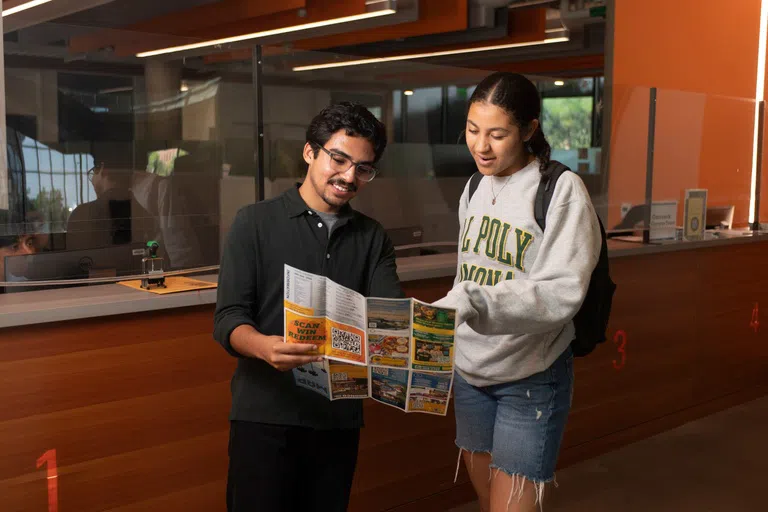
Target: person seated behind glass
{"points": [[114, 217], [162, 198], [17, 240]]}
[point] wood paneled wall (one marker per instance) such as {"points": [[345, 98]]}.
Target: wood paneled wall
{"points": [[136, 406]]}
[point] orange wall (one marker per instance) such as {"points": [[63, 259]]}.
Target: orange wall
{"points": [[701, 56]]}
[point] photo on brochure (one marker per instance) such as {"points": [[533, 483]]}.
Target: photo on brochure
{"points": [[433, 330], [433, 318], [389, 315], [388, 350], [314, 377], [389, 332], [430, 354], [432, 351], [429, 392], [348, 380], [389, 386]]}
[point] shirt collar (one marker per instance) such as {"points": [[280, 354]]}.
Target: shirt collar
{"points": [[297, 206]]}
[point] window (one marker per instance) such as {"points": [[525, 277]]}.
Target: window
{"points": [[567, 122], [55, 183], [423, 116], [568, 112]]}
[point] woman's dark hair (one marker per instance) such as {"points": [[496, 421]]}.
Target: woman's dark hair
{"points": [[520, 99], [354, 119]]}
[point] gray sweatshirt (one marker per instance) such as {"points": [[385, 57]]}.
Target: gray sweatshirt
{"points": [[517, 289]]}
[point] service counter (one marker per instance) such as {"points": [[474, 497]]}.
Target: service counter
{"points": [[115, 399]]}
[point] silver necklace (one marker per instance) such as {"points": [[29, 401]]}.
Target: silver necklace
{"points": [[495, 195]]}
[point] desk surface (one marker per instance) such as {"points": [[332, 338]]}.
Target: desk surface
{"points": [[111, 299]]}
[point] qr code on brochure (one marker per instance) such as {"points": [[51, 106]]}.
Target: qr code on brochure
{"points": [[346, 341]]}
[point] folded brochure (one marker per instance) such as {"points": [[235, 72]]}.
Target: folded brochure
{"points": [[399, 352]]}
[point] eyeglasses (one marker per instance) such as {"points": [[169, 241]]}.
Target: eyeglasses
{"points": [[341, 164], [94, 170]]}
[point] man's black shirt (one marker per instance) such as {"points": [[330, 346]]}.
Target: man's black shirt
{"points": [[264, 237]]}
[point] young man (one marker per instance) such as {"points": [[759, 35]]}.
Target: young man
{"points": [[16, 240], [289, 448], [15, 245], [114, 217]]}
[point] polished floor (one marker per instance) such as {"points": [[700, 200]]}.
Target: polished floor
{"points": [[716, 464]]}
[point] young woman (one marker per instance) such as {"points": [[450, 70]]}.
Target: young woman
{"points": [[516, 292]]}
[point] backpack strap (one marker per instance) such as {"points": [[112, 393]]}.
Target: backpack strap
{"points": [[474, 182], [546, 188]]}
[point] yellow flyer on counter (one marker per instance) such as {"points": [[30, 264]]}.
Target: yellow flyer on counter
{"points": [[695, 217], [172, 285]]}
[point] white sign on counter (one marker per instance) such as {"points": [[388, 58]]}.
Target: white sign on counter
{"points": [[663, 220]]}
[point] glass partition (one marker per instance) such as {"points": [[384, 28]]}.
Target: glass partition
{"points": [[426, 164], [701, 175], [705, 142], [108, 151]]}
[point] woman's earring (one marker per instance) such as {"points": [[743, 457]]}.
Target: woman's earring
{"points": [[528, 147]]}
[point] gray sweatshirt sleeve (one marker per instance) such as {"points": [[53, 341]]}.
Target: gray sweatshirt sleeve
{"points": [[558, 278]]}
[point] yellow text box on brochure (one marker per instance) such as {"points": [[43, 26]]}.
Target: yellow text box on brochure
{"points": [[298, 309], [305, 329], [345, 342]]}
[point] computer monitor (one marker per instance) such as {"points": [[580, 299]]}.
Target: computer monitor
{"points": [[116, 260], [720, 217]]}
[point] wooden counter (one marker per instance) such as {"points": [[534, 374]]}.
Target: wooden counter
{"points": [[135, 406]]}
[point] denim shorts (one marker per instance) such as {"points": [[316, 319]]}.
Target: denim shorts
{"points": [[519, 423]]}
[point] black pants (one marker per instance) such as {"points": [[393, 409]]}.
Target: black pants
{"points": [[277, 468]]}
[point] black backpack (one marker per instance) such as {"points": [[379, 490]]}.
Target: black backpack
{"points": [[591, 321]]}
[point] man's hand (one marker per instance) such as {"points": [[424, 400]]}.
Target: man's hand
{"points": [[283, 356], [286, 356]]}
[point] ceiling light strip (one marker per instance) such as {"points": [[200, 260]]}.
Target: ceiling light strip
{"points": [[759, 96], [460, 51], [24, 7], [267, 33]]}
